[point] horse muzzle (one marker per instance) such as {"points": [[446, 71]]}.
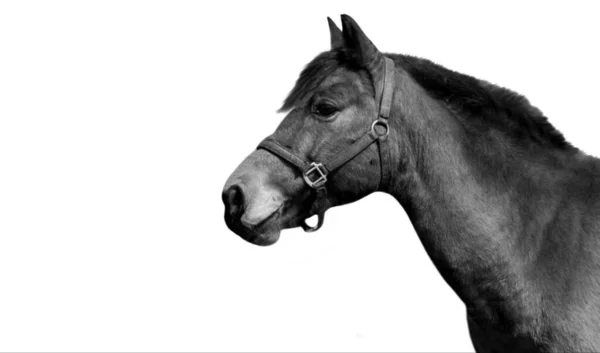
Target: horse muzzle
{"points": [[253, 213]]}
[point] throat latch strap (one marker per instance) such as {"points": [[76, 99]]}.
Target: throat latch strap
{"points": [[315, 174]]}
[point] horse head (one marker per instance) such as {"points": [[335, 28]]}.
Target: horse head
{"points": [[323, 154]]}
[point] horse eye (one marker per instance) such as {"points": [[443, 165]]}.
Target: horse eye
{"points": [[325, 110]]}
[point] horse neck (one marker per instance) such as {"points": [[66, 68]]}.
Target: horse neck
{"points": [[469, 217]]}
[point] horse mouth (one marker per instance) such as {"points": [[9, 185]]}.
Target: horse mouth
{"points": [[266, 222], [264, 233]]}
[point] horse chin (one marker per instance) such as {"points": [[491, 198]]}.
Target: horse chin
{"points": [[264, 239]]}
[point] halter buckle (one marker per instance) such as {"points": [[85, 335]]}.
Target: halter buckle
{"points": [[317, 170]]}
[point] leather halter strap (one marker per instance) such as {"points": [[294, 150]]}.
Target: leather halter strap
{"points": [[315, 174]]}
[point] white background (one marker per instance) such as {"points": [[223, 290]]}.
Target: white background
{"points": [[120, 122]]}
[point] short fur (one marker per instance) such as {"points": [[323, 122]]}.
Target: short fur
{"points": [[506, 208]]}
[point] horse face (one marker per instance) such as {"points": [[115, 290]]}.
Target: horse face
{"points": [[266, 194], [331, 106]]}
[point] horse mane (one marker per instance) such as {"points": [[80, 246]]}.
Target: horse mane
{"points": [[474, 98], [479, 99]]}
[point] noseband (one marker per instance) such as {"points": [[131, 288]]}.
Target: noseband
{"points": [[315, 173]]}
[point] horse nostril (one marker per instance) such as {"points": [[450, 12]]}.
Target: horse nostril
{"points": [[234, 200]]}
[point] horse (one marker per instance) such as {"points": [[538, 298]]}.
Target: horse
{"points": [[507, 209]]}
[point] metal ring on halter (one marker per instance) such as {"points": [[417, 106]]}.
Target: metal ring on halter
{"points": [[383, 123]]}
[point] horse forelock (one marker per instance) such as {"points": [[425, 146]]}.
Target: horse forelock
{"points": [[315, 72], [311, 77]]}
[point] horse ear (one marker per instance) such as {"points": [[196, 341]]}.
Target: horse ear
{"points": [[363, 50], [337, 38]]}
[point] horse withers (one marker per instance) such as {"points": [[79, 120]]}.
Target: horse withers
{"points": [[506, 208]]}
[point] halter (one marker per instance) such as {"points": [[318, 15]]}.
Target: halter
{"points": [[315, 173]]}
